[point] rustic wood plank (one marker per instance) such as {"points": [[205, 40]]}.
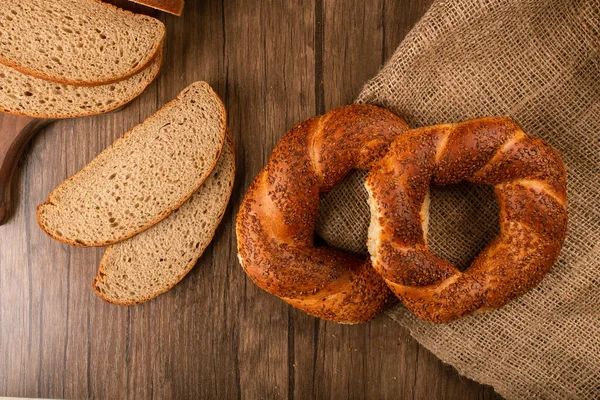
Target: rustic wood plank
{"points": [[273, 89], [215, 335], [373, 360], [17, 319], [352, 47]]}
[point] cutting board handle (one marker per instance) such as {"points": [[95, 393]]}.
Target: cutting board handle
{"points": [[15, 133]]}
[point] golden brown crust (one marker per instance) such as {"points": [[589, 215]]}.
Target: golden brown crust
{"points": [[530, 185], [160, 217], [276, 221]]}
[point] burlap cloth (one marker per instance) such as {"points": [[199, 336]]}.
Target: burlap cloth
{"points": [[537, 61]]}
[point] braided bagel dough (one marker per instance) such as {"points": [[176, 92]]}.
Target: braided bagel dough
{"points": [[276, 221], [529, 180]]}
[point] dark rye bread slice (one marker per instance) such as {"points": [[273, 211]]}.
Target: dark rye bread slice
{"points": [[77, 42], [143, 176], [148, 264], [23, 94]]}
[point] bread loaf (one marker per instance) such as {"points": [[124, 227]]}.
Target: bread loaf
{"points": [[23, 94], [148, 264], [78, 42], [143, 176]]}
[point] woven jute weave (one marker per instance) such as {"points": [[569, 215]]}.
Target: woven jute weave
{"points": [[537, 61]]}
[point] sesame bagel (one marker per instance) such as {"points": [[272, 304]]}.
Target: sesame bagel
{"points": [[276, 221], [529, 180]]}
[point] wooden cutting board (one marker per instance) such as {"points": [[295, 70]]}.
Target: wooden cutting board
{"points": [[15, 133]]}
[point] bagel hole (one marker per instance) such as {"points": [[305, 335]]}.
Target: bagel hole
{"points": [[463, 219], [318, 241]]}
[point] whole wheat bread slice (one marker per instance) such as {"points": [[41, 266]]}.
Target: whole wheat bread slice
{"points": [[23, 94], [77, 42], [170, 6], [148, 264], [143, 176]]}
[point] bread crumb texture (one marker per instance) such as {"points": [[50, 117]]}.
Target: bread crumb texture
{"points": [[152, 262], [23, 94], [143, 176], [76, 41]]}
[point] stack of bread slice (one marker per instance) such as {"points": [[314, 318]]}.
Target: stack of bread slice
{"points": [[155, 196], [66, 59]]}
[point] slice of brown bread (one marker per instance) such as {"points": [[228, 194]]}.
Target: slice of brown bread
{"points": [[143, 176], [23, 94], [148, 264], [78, 42]]}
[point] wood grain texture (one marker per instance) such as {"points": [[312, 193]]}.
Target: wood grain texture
{"points": [[215, 335]]}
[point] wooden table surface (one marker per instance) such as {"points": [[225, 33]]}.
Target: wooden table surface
{"points": [[215, 335]]}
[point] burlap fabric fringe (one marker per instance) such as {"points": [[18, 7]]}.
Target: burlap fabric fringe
{"points": [[537, 61]]}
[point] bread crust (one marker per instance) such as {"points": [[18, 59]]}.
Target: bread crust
{"points": [[141, 66], [189, 266], [112, 107], [171, 6], [276, 220], [529, 180], [161, 216]]}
